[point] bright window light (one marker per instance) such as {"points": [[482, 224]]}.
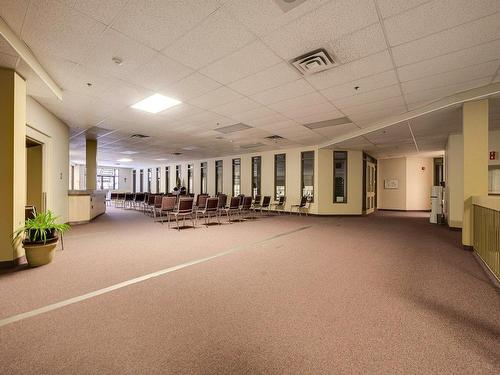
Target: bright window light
{"points": [[156, 103], [124, 160]]}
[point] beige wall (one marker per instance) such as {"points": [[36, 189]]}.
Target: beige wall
{"points": [[419, 181], [44, 127], [415, 177], [322, 175], [393, 169]]}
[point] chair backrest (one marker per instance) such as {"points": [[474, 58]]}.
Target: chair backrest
{"points": [[266, 201], [146, 197], [212, 204], [120, 196], [114, 196], [222, 200], [168, 203], [202, 201], [257, 199], [158, 200], [247, 203], [303, 202], [241, 197], [185, 205], [139, 197], [29, 212], [235, 203], [281, 200], [129, 197], [151, 199]]}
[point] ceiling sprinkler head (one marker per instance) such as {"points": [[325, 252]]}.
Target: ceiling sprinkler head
{"points": [[118, 61]]}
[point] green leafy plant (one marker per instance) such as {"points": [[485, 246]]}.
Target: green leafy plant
{"points": [[41, 228]]}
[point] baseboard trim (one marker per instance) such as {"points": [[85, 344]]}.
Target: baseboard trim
{"points": [[487, 270], [398, 210], [12, 263]]}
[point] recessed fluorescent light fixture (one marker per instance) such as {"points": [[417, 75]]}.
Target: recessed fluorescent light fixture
{"points": [[161, 159], [156, 103], [124, 160]]}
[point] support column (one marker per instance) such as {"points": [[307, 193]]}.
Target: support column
{"points": [[475, 131], [12, 162], [91, 163]]}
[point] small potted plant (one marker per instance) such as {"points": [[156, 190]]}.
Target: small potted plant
{"points": [[39, 237]]}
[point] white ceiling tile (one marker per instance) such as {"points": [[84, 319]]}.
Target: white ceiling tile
{"points": [[455, 76], [316, 29], [296, 103], [359, 44], [114, 44], [365, 67], [277, 125], [465, 36], [368, 97], [390, 8], [192, 86], [336, 131], [428, 95], [266, 79], [436, 16], [455, 60], [254, 114], [264, 16], [317, 117], [55, 29], [216, 37], [380, 105], [235, 107], [286, 91], [248, 60], [103, 11], [158, 23], [270, 121], [13, 13], [298, 113], [158, 73], [215, 98], [368, 118], [365, 85]]}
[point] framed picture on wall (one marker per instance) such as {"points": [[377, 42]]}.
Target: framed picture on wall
{"points": [[391, 183]]}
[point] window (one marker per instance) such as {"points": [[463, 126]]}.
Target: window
{"points": [[279, 175], [141, 181], [167, 179], [307, 174], [107, 179], [190, 179], [178, 176], [340, 177], [203, 178], [150, 172], [134, 181], [218, 177], [236, 177], [256, 167], [158, 179]]}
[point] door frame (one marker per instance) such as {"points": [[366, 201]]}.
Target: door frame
{"points": [[371, 159]]}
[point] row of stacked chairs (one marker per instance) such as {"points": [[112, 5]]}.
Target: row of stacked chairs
{"points": [[162, 207]]}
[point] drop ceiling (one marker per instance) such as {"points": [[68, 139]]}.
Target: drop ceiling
{"points": [[228, 61]]}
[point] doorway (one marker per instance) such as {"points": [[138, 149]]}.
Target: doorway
{"points": [[370, 184], [34, 174]]}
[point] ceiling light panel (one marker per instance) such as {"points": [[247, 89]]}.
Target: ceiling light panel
{"points": [[232, 128], [327, 123], [156, 103]]}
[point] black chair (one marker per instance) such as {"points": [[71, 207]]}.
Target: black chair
{"points": [[303, 206], [234, 208], [246, 206], [266, 202], [279, 206]]}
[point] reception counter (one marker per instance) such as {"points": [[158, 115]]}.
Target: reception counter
{"points": [[85, 205]]}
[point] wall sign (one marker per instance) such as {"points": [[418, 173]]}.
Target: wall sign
{"points": [[391, 183], [493, 155]]}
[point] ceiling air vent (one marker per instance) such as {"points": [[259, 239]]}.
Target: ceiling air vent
{"points": [[232, 128], [313, 62], [139, 136], [252, 145], [327, 123], [275, 138], [287, 5]]}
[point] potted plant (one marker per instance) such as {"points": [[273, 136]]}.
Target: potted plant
{"points": [[39, 237]]}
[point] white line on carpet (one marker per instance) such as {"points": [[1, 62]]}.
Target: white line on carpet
{"points": [[83, 297]]}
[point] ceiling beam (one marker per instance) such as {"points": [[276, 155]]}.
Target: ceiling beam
{"points": [[29, 58], [458, 98]]}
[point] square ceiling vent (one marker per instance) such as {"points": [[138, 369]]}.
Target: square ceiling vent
{"points": [[287, 5], [313, 62]]}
